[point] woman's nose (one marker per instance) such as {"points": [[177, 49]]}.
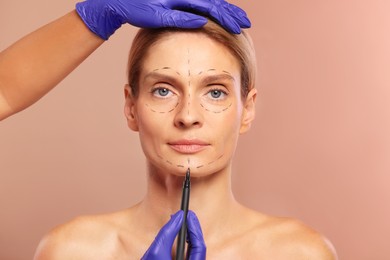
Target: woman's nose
{"points": [[188, 113]]}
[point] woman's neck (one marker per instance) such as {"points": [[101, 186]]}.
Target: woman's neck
{"points": [[211, 199]]}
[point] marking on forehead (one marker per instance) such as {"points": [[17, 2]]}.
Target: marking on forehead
{"points": [[188, 62], [167, 68], [189, 79], [213, 70]]}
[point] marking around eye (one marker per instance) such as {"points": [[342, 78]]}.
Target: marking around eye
{"points": [[216, 112], [162, 112]]}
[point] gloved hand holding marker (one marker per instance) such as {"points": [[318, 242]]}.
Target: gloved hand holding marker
{"points": [[104, 17], [186, 222]]}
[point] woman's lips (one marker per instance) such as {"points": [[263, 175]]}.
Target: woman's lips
{"points": [[188, 146]]}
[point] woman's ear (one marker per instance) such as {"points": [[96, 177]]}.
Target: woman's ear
{"points": [[249, 111], [130, 109]]}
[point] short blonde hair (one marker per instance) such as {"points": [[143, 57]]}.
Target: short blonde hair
{"points": [[240, 46]]}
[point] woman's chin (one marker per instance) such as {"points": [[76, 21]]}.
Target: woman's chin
{"points": [[195, 172], [199, 167]]}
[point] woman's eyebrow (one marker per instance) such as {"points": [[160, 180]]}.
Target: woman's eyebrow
{"points": [[217, 77], [205, 78], [155, 75]]}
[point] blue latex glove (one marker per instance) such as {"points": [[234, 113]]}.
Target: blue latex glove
{"points": [[196, 244], [104, 17], [161, 248]]}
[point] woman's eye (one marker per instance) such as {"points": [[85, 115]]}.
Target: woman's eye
{"points": [[162, 92], [217, 94]]}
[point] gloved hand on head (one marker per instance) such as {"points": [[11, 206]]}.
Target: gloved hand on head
{"points": [[104, 17], [161, 248]]}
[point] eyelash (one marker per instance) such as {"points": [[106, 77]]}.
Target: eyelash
{"points": [[154, 90], [223, 92]]}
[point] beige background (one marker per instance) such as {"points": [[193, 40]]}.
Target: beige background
{"points": [[319, 150]]}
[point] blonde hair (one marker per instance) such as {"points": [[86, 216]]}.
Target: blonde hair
{"points": [[240, 46]]}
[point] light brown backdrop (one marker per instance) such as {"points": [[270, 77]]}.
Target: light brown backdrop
{"points": [[319, 150]]}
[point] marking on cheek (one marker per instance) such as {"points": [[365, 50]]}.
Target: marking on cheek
{"points": [[162, 112], [209, 163], [215, 160], [166, 161], [169, 162], [216, 112]]}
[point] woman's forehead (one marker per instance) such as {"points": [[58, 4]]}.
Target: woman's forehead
{"points": [[189, 51]]}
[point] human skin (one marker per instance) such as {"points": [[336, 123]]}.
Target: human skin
{"points": [[231, 231], [43, 58]]}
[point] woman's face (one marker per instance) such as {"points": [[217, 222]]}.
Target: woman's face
{"points": [[189, 111]]}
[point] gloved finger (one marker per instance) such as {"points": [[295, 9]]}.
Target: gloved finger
{"points": [[219, 10], [239, 15], [162, 244], [197, 246], [176, 18]]}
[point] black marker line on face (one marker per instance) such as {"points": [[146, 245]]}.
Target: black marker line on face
{"points": [[188, 62], [189, 98], [168, 68], [189, 162], [162, 112], [189, 80], [216, 112], [209, 163]]}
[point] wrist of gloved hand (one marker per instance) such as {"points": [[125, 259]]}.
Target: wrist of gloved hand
{"points": [[99, 17]]}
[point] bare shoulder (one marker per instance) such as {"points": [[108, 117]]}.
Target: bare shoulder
{"points": [[286, 238], [85, 237]]}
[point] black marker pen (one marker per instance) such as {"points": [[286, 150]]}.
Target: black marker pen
{"points": [[185, 199]]}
